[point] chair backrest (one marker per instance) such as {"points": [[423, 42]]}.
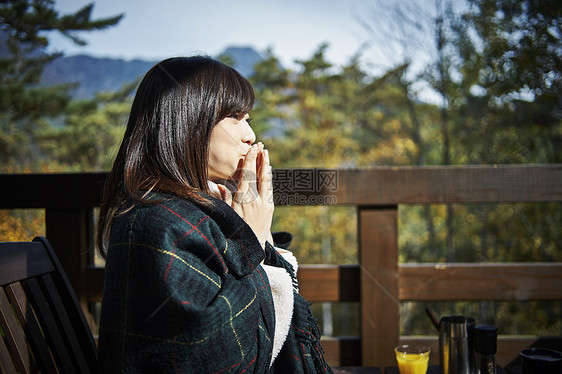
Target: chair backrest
{"points": [[42, 325]]}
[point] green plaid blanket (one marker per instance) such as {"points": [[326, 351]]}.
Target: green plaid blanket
{"points": [[184, 292]]}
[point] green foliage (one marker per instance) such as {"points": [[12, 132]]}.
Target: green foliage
{"points": [[499, 71], [90, 135], [322, 234], [226, 59], [270, 81], [26, 107], [482, 233]]}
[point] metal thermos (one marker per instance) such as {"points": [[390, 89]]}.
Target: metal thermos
{"points": [[456, 346]]}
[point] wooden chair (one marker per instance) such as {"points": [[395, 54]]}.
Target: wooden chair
{"points": [[42, 326]]}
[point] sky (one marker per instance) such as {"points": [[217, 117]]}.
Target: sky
{"points": [[152, 30]]}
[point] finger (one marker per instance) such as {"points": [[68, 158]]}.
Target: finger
{"points": [[259, 159], [265, 176], [248, 175], [226, 195]]}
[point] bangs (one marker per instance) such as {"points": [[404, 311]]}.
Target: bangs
{"points": [[236, 96]]}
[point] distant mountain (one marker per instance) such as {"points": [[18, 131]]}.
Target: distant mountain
{"points": [[93, 74], [244, 59], [106, 74]]}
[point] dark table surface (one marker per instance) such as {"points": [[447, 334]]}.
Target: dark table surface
{"points": [[513, 367], [433, 369], [357, 370]]}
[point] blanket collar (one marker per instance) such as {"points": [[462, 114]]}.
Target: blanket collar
{"points": [[244, 253]]}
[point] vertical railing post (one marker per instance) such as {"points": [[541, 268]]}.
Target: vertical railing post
{"points": [[380, 309], [70, 232]]}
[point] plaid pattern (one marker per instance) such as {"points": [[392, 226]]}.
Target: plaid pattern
{"points": [[184, 293]]}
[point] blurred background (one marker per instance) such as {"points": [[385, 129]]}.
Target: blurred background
{"points": [[339, 84]]}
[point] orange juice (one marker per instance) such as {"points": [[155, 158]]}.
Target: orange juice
{"points": [[412, 363]]}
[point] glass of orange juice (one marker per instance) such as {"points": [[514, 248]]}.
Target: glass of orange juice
{"points": [[412, 359]]}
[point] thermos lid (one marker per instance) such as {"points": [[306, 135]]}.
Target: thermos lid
{"points": [[486, 337], [456, 326]]}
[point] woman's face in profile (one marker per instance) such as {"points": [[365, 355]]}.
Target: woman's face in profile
{"points": [[230, 141]]}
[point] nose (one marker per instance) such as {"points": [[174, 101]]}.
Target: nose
{"points": [[248, 135]]}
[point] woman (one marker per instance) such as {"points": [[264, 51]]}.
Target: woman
{"points": [[193, 282]]}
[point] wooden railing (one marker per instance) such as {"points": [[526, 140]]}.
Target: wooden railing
{"points": [[378, 282]]}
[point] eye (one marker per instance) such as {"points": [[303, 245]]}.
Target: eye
{"points": [[248, 120]]}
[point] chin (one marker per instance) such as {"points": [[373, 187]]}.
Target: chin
{"points": [[233, 176], [226, 175]]}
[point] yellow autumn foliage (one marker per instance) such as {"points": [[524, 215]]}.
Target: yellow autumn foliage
{"points": [[21, 225], [396, 150]]}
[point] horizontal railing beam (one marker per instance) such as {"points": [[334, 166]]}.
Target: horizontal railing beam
{"points": [[329, 283], [480, 281], [449, 184], [419, 282], [373, 186], [51, 190]]}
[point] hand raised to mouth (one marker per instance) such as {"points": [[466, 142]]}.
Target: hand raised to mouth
{"points": [[253, 198]]}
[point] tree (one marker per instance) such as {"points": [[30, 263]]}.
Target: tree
{"points": [[272, 85], [303, 118], [508, 67], [90, 135], [25, 105], [30, 112]]}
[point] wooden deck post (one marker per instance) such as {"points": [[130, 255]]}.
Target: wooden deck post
{"points": [[380, 308], [70, 232]]}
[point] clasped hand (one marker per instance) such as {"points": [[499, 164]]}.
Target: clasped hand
{"points": [[253, 198]]}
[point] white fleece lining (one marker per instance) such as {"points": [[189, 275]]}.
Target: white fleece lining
{"points": [[282, 291], [289, 257]]}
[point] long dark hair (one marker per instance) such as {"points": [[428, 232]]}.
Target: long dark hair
{"points": [[165, 146]]}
